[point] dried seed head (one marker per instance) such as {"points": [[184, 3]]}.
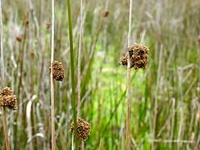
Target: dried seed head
{"points": [[105, 13], [57, 70], [123, 60], [138, 57], [83, 129], [32, 55], [48, 25], [26, 19], [19, 38], [8, 99]]}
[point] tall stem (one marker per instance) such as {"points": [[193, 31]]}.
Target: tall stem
{"points": [[3, 82], [73, 98], [53, 143], [79, 65], [128, 100], [79, 57], [5, 129]]}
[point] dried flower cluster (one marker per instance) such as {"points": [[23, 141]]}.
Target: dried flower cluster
{"points": [[7, 98], [105, 13], [138, 57], [58, 70], [83, 129]]}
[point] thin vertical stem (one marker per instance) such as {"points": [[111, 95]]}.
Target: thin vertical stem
{"points": [[73, 98], [79, 57], [53, 143], [5, 129], [2, 53], [3, 82], [128, 100], [79, 65]]}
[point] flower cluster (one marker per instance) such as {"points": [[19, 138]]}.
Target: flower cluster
{"points": [[8, 99], [138, 57], [57, 70], [83, 129]]}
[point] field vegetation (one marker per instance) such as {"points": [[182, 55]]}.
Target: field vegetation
{"points": [[164, 97]]}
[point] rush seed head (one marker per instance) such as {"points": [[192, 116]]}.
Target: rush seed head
{"points": [[58, 70], [83, 129], [138, 57], [8, 99]]}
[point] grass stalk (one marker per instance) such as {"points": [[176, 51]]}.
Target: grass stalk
{"points": [[79, 58], [5, 129], [128, 100], [6, 139], [79, 65], [53, 143], [73, 98]]}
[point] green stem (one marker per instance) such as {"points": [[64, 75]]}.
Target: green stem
{"points": [[73, 98]]}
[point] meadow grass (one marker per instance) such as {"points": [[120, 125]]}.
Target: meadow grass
{"points": [[165, 98]]}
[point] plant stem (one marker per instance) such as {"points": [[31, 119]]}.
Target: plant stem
{"points": [[5, 129], [3, 82], [53, 143], [79, 59], [128, 100], [79, 65], [73, 98]]}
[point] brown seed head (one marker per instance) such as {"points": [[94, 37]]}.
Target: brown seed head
{"points": [[32, 55], [48, 25], [138, 57], [26, 20], [58, 70], [105, 13], [123, 60], [83, 129], [8, 99], [19, 38]]}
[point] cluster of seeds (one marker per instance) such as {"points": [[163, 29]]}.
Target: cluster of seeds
{"points": [[138, 57], [105, 13], [83, 129], [8, 99], [57, 70]]}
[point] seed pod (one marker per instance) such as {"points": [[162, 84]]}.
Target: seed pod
{"points": [[83, 129], [57, 70], [105, 13], [138, 57], [8, 99]]}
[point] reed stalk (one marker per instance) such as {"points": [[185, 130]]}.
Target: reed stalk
{"points": [[53, 143], [4, 119], [73, 98], [79, 66], [128, 100]]}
